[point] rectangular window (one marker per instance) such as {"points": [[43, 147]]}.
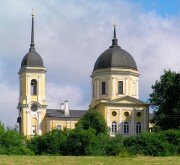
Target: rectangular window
{"points": [[58, 127], [126, 128], [138, 128], [33, 130], [103, 88], [120, 87]]}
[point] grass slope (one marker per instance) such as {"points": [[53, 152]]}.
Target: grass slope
{"points": [[72, 160]]}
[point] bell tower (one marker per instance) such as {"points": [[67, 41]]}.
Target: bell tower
{"points": [[32, 101]]}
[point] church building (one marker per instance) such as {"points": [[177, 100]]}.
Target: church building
{"points": [[115, 80]]}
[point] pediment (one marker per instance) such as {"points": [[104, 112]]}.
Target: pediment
{"points": [[127, 100]]}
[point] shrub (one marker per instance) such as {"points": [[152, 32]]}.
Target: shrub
{"points": [[105, 145], [53, 143], [149, 144], [79, 141], [114, 145], [94, 120], [173, 138], [97, 146], [12, 142]]}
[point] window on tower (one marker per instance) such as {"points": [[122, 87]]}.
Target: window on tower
{"points": [[33, 87], [120, 87], [103, 88]]}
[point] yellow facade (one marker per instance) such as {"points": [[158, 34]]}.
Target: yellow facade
{"points": [[27, 100], [115, 95], [68, 123], [119, 104]]}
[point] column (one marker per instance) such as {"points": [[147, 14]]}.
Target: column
{"points": [[137, 89], [39, 90], [39, 123], [97, 91], [130, 92], [144, 120], [95, 88], [120, 122], [28, 122], [108, 118], [132, 123], [109, 87], [28, 89], [126, 86]]}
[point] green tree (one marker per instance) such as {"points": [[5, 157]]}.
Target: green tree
{"points": [[93, 119], [53, 143], [12, 142], [165, 100], [150, 144], [79, 141]]}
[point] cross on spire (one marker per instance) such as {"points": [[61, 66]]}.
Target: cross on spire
{"points": [[114, 40], [32, 32]]}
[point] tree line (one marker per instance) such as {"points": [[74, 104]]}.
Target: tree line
{"points": [[91, 135]]}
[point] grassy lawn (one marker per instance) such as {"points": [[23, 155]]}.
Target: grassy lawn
{"points": [[70, 160]]}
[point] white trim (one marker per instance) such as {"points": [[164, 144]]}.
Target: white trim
{"points": [[120, 125], [132, 123], [39, 123], [28, 122], [144, 120]]}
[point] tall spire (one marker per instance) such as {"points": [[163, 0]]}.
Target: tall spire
{"points": [[114, 40], [32, 32]]}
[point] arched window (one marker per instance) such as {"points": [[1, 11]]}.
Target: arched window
{"points": [[114, 127], [138, 128], [33, 87], [126, 128]]}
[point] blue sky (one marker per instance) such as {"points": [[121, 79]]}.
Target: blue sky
{"points": [[70, 35], [164, 8]]}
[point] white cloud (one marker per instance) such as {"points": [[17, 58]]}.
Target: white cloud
{"points": [[58, 94], [8, 102], [70, 35]]}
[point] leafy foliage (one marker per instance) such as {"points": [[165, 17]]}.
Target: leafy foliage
{"points": [[12, 142], [86, 140], [80, 141], [165, 99], [154, 144], [94, 120], [53, 143]]}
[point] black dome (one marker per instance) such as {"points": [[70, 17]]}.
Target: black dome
{"points": [[32, 59], [115, 57]]}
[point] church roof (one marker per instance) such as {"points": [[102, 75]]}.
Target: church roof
{"points": [[115, 56], [60, 113], [32, 58]]}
